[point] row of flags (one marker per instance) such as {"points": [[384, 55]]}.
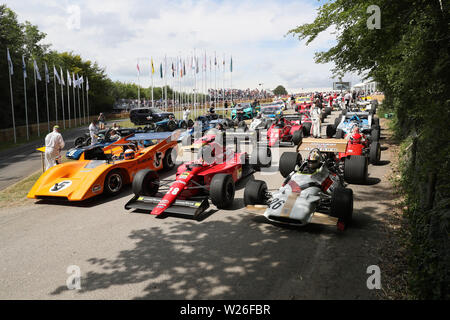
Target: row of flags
{"points": [[179, 67], [71, 80]]}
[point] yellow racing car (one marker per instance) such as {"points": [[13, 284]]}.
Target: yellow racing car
{"points": [[107, 170]]}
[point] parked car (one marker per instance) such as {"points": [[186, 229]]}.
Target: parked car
{"points": [[143, 116]]}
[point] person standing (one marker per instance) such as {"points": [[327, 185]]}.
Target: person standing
{"points": [[54, 143], [101, 121], [186, 114], [93, 132], [315, 117]]}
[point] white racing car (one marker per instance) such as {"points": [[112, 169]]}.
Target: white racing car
{"points": [[315, 185]]}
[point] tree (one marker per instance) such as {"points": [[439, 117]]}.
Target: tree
{"points": [[409, 58], [280, 91]]}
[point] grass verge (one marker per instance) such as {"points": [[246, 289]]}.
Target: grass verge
{"points": [[16, 194]]}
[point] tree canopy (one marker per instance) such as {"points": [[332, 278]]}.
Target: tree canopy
{"points": [[408, 56], [280, 91]]}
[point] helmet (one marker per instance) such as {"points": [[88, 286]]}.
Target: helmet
{"points": [[356, 137], [101, 136], [314, 159], [128, 155]]}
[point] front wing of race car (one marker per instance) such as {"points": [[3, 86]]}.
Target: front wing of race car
{"points": [[191, 208]]}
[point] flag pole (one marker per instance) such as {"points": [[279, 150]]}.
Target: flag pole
{"points": [[82, 96], [10, 69], [25, 94], [139, 84], [87, 97], [56, 101], [82, 117], [36, 97], [62, 100], [74, 102], [68, 98], [47, 80]]}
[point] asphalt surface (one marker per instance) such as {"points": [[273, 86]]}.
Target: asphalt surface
{"points": [[230, 254], [24, 160]]}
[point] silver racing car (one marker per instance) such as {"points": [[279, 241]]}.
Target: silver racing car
{"points": [[314, 185]]}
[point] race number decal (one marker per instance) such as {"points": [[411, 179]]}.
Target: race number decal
{"points": [[158, 157], [276, 204]]}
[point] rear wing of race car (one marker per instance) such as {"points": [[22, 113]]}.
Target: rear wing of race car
{"points": [[292, 117], [324, 145], [362, 115]]}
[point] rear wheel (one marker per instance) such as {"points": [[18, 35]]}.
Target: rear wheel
{"points": [[339, 134], [113, 182], [297, 137], [375, 152], [159, 129], [169, 159], [342, 205], [183, 124], [172, 125], [255, 192], [288, 161], [145, 183], [375, 134], [331, 130], [221, 190], [79, 142], [337, 121], [356, 169], [306, 129], [190, 123]]}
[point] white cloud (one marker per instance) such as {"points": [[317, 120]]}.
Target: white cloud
{"points": [[118, 33]]}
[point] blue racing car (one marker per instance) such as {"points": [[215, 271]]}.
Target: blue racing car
{"points": [[366, 122]]}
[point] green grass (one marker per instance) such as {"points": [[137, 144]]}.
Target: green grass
{"points": [[17, 193]]}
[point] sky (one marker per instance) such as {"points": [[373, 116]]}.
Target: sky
{"points": [[119, 34]]}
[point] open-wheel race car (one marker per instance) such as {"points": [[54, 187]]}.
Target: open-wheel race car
{"points": [[213, 175], [367, 123], [310, 186], [286, 129], [106, 170]]}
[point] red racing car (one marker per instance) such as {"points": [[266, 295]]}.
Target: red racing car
{"points": [[212, 176], [285, 129]]}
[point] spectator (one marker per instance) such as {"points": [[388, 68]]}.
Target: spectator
{"points": [[54, 143], [93, 132], [101, 121]]}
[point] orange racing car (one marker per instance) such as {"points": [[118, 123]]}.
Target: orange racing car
{"points": [[107, 170]]}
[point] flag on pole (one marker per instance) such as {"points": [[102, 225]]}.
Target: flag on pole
{"points": [[160, 70], [173, 71], [47, 75], [38, 75], [139, 70], [87, 84], [69, 81], [153, 68], [24, 67], [215, 59], [231, 64], [196, 64], [74, 81], [55, 74], [10, 64], [62, 76]]}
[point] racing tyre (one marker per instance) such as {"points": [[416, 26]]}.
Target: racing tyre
{"points": [[113, 182], [190, 123], [169, 159], [375, 152], [375, 134], [183, 124], [261, 158], [376, 122], [241, 124], [328, 111], [145, 183], [356, 169], [79, 142], [342, 205], [255, 192], [159, 129], [307, 129], [339, 134], [221, 190], [337, 121], [297, 137], [331, 130], [288, 161], [172, 125]]}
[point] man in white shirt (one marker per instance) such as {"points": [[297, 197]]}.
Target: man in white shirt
{"points": [[186, 114], [54, 143], [93, 132], [347, 98], [315, 119]]}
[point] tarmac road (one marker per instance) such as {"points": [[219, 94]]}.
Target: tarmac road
{"points": [[230, 254]]}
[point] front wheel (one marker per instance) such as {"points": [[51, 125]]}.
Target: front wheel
{"points": [[288, 162], [255, 192], [342, 206], [356, 169], [79, 142], [113, 182], [222, 190], [169, 159], [375, 152], [146, 183], [297, 137]]}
